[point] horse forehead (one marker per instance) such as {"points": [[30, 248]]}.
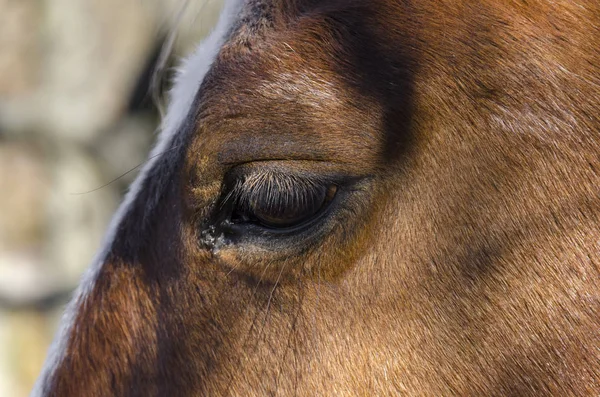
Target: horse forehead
{"points": [[265, 71]]}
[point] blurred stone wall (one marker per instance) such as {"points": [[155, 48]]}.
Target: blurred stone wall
{"points": [[73, 117]]}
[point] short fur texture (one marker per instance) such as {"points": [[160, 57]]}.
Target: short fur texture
{"points": [[459, 257]]}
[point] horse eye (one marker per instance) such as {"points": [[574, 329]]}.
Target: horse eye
{"points": [[283, 206]]}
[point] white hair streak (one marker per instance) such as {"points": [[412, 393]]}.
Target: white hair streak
{"points": [[187, 82]]}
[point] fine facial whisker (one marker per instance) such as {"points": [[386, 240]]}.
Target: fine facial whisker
{"points": [[126, 173], [250, 330]]}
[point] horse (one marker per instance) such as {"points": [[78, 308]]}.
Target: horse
{"points": [[350, 197]]}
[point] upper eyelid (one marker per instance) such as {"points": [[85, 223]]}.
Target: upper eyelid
{"points": [[267, 180], [235, 181], [285, 180]]}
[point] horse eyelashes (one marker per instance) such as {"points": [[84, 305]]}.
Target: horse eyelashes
{"points": [[277, 200]]}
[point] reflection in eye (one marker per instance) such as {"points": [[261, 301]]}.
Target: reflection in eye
{"points": [[277, 200]]}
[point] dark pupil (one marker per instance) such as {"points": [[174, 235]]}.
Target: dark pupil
{"points": [[286, 207]]}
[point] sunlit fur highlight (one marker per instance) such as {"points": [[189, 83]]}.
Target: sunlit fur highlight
{"points": [[460, 255]]}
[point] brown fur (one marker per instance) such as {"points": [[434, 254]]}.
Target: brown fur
{"points": [[465, 262]]}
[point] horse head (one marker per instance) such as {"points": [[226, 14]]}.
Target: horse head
{"points": [[349, 197]]}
